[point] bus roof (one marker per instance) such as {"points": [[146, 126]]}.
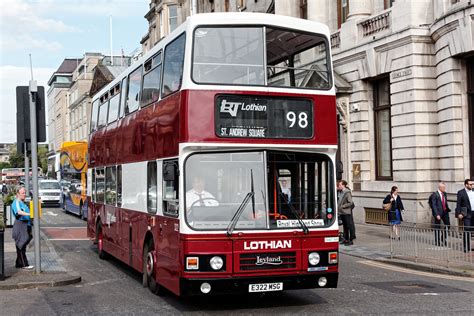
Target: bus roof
{"points": [[229, 18], [66, 145]]}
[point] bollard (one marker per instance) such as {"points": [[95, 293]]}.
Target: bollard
{"points": [[32, 210]]}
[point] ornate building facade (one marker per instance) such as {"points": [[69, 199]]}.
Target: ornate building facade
{"points": [[404, 75]]}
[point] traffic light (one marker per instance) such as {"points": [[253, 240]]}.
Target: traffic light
{"points": [[23, 116]]}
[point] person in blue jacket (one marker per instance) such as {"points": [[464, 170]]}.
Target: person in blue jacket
{"points": [[21, 229]]}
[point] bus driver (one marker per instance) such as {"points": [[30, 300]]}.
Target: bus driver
{"points": [[197, 196]]}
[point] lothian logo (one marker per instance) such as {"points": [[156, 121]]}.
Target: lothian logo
{"points": [[233, 107], [276, 261]]}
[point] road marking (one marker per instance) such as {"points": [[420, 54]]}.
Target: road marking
{"points": [[63, 227], [405, 270], [51, 213], [67, 239]]}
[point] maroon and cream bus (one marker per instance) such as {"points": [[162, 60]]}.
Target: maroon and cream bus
{"points": [[211, 159]]}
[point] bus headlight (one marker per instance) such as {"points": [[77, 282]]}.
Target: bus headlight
{"points": [[313, 258], [322, 281], [216, 263]]}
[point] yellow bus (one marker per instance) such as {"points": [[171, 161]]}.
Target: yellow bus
{"points": [[73, 168]]}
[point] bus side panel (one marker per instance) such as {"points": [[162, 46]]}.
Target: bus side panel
{"points": [[135, 245], [91, 218], [168, 253]]}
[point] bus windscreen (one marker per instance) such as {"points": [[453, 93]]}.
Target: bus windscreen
{"points": [[260, 56]]}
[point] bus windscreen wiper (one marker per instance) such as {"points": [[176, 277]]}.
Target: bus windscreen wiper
{"points": [[240, 210], [295, 213]]}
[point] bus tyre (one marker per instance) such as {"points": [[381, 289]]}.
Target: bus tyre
{"points": [[149, 268], [100, 243], [81, 214]]}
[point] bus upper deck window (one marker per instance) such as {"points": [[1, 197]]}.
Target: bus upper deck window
{"points": [[173, 66]]}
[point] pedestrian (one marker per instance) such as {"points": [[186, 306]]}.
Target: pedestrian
{"points": [[344, 207], [394, 212], [21, 229], [4, 189], [438, 202], [465, 211]]}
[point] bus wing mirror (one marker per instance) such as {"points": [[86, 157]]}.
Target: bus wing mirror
{"points": [[169, 172]]}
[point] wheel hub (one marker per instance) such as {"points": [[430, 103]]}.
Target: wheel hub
{"points": [[150, 264]]}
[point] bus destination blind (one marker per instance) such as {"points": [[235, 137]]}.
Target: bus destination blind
{"points": [[241, 116]]}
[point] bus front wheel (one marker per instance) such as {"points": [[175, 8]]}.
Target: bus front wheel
{"points": [[149, 268]]}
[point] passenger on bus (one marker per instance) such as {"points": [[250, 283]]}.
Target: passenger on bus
{"points": [[285, 190], [197, 196]]}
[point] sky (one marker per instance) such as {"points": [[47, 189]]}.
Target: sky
{"points": [[52, 30]]}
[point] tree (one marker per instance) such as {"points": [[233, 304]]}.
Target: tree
{"points": [[16, 160], [43, 157], [4, 165]]}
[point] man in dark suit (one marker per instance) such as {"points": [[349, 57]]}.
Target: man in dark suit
{"points": [[440, 210], [465, 211]]}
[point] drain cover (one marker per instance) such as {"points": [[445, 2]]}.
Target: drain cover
{"points": [[412, 287]]}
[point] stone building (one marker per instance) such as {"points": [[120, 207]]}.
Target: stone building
{"points": [[404, 75], [79, 100], [165, 15], [410, 110], [57, 99]]}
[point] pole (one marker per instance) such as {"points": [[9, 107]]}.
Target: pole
{"points": [[111, 52], [34, 166], [27, 170]]}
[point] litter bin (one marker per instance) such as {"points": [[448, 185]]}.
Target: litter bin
{"points": [[2, 250], [9, 218]]}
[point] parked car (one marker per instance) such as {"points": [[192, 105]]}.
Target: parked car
{"points": [[49, 192]]}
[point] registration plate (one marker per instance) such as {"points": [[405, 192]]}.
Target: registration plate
{"points": [[265, 287]]}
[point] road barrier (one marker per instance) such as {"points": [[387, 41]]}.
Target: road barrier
{"points": [[376, 216], [445, 246]]}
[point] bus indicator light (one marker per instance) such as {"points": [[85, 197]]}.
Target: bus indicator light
{"points": [[192, 263], [332, 257]]}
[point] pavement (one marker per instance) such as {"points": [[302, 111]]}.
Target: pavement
{"points": [[372, 243], [54, 272]]}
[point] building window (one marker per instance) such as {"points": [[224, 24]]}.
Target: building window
{"points": [[172, 17], [342, 11], [383, 129]]}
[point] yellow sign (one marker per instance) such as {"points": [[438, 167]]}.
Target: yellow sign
{"points": [[32, 210]]}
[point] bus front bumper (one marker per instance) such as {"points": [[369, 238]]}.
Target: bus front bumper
{"points": [[241, 285]]}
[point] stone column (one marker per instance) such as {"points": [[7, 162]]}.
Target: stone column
{"points": [[288, 8], [359, 9], [318, 11]]}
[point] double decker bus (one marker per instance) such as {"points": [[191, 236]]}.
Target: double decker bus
{"points": [[212, 159], [73, 171]]}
